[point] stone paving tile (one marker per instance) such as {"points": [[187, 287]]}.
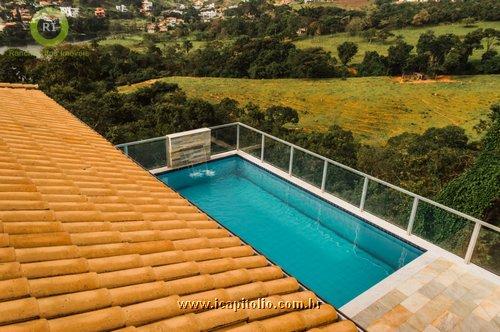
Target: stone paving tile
{"points": [[414, 302], [371, 314], [432, 289], [468, 280], [381, 327], [405, 327], [455, 291], [490, 307], [435, 307], [440, 264], [391, 320], [447, 278], [430, 328], [393, 298], [474, 323], [397, 316], [462, 308], [447, 321], [497, 321], [410, 286], [417, 322], [441, 297]]}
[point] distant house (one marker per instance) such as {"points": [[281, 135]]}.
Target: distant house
{"points": [[207, 15], [198, 4], [152, 28], [121, 8], [44, 3], [22, 13], [9, 25], [171, 22], [301, 31], [146, 7], [100, 12], [70, 11]]}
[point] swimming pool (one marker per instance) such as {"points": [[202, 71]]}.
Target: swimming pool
{"points": [[329, 250]]}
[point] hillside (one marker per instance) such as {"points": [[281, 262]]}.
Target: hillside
{"points": [[411, 35], [374, 108]]}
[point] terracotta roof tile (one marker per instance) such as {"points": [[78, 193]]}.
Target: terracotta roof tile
{"points": [[90, 241]]}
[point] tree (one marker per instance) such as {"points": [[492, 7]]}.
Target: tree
{"points": [[346, 51], [15, 65], [397, 57], [421, 18], [475, 192], [188, 45], [369, 35], [311, 63], [469, 22], [354, 26], [373, 64], [436, 48]]}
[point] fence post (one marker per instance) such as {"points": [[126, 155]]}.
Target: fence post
{"points": [[472, 242], [291, 161], [237, 136], [412, 215], [125, 150], [323, 180], [262, 148], [363, 195]]}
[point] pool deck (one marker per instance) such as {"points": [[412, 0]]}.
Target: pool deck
{"points": [[437, 291], [441, 295]]}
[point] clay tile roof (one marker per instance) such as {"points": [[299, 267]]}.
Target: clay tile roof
{"points": [[90, 241]]}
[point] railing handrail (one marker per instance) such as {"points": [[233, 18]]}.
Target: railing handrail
{"points": [[336, 163], [147, 140], [390, 185], [478, 223]]}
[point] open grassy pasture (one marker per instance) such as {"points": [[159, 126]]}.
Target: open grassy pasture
{"points": [[411, 35], [374, 108], [348, 4]]}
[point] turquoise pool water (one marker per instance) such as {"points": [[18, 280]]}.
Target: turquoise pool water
{"points": [[330, 251]]}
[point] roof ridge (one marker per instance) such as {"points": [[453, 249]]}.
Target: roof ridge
{"points": [[19, 86]]}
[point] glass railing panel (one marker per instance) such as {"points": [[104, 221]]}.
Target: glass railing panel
{"points": [[250, 141], [442, 228], [389, 204], [308, 167], [149, 155], [223, 139], [277, 154], [344, 184], [487, 251]]}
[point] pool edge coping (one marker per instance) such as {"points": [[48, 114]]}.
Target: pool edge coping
{"points": [[384, 286]]}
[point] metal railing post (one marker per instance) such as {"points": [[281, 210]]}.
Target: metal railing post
{"points": [[125, 150], [323, 179], [363, 195], [262, 148], [412, 215], [167, 153], [472, 242], [290, 162], [237, 136]]}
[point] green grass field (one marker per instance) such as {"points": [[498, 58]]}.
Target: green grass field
{"points": [[374, 108], [348, 4], [411, 35], [328, 42]]}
